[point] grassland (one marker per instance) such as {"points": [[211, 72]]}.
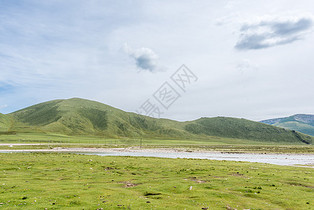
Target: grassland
{"points": [[33, 137], [58, 181], [50, 141]]}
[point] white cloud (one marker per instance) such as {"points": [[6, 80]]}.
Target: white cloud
{"points": [[269, 32], [145, 58], [246, 65]]}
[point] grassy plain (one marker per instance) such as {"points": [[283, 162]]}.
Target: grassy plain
{"points": [[58, 181], [210, 144]]}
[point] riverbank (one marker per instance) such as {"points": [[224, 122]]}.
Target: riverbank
{"points": [[225, 148], [288, 159]]}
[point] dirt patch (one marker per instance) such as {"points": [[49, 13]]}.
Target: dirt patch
{"points": [[108, 168], [129, 184], [194, 179], [219, 177], [237, 174], [300, 185]]}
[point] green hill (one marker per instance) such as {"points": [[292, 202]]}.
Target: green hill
{"points": [[243, 129], [5, 123], [84, 117], [300, 122], [89, 118]]}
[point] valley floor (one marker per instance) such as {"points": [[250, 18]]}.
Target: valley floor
{"points": [[58, 181]]}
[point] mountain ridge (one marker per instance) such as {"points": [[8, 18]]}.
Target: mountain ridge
{"points": [[303, 123], [77, 116]]}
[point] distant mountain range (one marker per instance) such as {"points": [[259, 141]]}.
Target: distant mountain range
{"points": [[80, 117], [303, 123]]}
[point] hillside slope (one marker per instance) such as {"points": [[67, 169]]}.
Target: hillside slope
{"points": [[5, 123], [300, 122], [84, 117], [245, 129]]}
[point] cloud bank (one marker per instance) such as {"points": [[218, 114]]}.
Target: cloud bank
{"points": [[272, 32]]}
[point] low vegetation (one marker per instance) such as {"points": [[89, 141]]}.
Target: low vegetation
{"points": [[58, 181], [5, 123]]}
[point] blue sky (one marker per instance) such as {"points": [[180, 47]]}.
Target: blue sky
{"points": [[253, 60]]}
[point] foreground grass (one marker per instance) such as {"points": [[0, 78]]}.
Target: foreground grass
{"points": [[57, 181]]}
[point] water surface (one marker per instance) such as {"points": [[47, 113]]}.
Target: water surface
{"points": [[278, 159]]}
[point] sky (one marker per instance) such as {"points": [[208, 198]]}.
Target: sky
{"points": [[249, 59]]}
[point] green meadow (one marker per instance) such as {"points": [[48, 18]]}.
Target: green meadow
{"points": [[58, 181], [50, 141], [31, 137]]}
